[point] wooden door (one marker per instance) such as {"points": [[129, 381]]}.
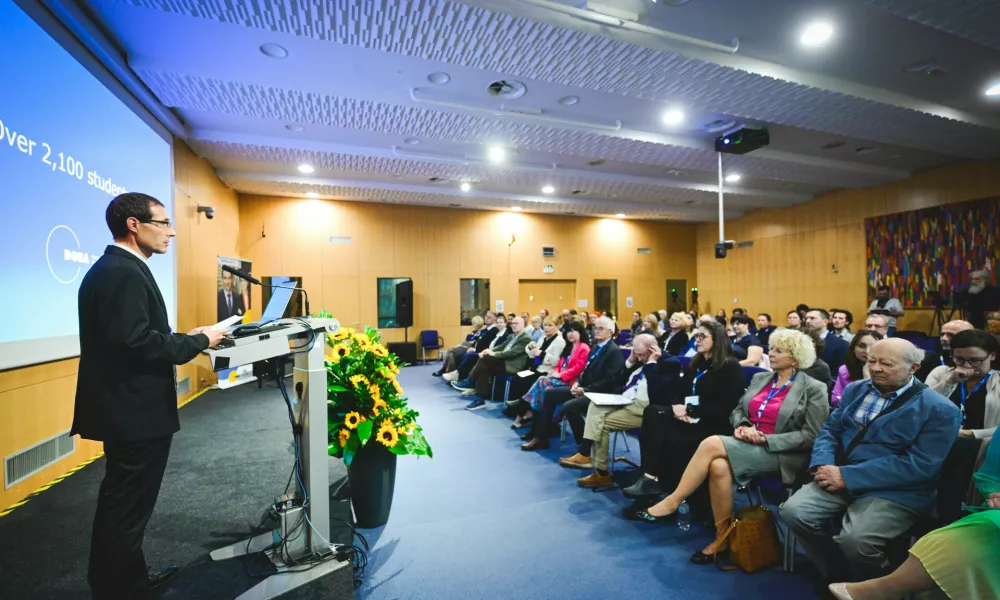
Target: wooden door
{"points": [[553, 295]]}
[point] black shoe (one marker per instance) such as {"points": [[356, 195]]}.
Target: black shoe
{"points": [[160, 576], [632, 512], [515, 408], [700, 558], [528, 436], [643, 487], [644, 515], [436, 374]]}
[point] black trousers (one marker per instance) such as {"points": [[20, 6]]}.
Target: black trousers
{"points": [[575, 410], [128, 494], [667, 445], [956, 478]]}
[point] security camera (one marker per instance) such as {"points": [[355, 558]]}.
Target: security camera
{"points": [[208, 210]]}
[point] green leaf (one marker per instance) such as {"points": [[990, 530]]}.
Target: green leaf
{"points": [[399, 449], [336, 388], [364, 431]]}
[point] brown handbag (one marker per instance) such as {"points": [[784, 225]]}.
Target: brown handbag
{"points": [[753, 540]]}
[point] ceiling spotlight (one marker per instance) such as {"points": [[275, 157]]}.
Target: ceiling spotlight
{"points": [[411, 141], [274, 50], [993, 90], [439, 78], [312, 195], [732, 178], [816, 34], [673, 116], [516, 209], [496, 154], [465, 187], [306, 168], [294, 127], [569, 100], [548, 189], [620, 216]]}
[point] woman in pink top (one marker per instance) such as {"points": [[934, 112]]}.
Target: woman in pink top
{"points": [[855, 367], [774, 424], [571, 364]]}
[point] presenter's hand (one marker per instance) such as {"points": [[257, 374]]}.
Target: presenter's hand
{"points": [[214, 336]]}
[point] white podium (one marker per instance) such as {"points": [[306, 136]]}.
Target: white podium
{"points": [[308, 395]]}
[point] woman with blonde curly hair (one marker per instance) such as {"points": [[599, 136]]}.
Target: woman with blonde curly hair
{"points": [[774, 427]]}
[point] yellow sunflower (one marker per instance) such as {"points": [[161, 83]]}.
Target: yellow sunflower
{"points": [[379, 404], [375, 392], [333, 359], [343, 436], [358, 380], [387, 435], [395, 368], [379, 350], [353, 419], [397, 387], [401, 430], [341, 351]]}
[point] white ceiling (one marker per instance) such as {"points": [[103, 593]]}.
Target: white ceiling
{"points": [[354, 99]]}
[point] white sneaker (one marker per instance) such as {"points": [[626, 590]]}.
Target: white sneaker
{"points": [[450, 376], [470, 392]]}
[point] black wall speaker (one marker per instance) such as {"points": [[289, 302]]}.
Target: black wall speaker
{"points": [[404, 303], [406, 351]]}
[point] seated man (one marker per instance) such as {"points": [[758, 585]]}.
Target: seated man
{"points": [[879, 323], [648, 373], [875, 466], [509, 358], [934, 359], [835, 350], [602, 375]]}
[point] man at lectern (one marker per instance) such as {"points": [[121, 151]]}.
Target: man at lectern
{"points": [[126, 390]]}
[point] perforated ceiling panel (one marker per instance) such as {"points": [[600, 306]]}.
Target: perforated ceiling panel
{"points": [[454, 33], [975, 21]]}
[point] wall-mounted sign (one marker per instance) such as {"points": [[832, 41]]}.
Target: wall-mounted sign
{"points": [[628, 301], [581, 304], [548, 269], [499, 305]]}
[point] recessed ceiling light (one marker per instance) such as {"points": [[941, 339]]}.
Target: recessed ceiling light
{"points": [[465, 187], [569, 100], [732, 178], [516, 209], [411, 141], [439, 78], [312, 195], [274, 50], [993, 89], [620, 216], [673, 116], [496, 154], [816, 33], [306, 168], [548, 189], [294, 127]]}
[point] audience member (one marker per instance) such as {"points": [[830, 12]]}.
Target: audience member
{"points": [[651, 325], [764, 328], [647, 373], [496, 325], [546, 354], [636, 324], [802, 309], [676, 338], [840, 321], [942, 356], [855, 367], [572, 361], [662, 319], [980, 298], [773, 429], [452, 355], [820, 371], [536, 329], [959, 560], [670, 435], [720, 316], [510, 358], [544, 314], [818, 320], [742, 312], [794, 320], [602, 373], [890, 308], [879, 488], [746, 347], [879, 323]]}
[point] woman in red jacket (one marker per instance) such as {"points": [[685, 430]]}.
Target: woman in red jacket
{"points": [[572, 361]]}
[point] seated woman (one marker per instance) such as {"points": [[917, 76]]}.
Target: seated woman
{"points": [[636, 324], [746, 347], [651, 325], [720, 316], [537, 333], [775, 425], [671, 431], [676, 339], [855, 367], [455, 352], [959, 560], [794, 320], [572, 361]]}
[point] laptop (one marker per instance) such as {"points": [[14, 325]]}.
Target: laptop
{"points": [[274, 310]]}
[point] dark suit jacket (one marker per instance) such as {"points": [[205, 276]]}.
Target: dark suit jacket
{"points": [[675, 344], [125, 389], [836, 351], [604, 373], [222, 310], [665, 380], [483, 342]]}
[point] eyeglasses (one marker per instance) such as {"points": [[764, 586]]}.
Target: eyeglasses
{"points": [[700, 336], [975, 363], [160, 224]]}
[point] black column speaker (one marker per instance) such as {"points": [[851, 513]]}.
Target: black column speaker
{"points": [[404, 303]]}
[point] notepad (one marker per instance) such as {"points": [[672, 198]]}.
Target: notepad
{"points": [[609, 399], [227, 323]]}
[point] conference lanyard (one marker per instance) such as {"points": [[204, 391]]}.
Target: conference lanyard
{"points": [[634, 381], [694, 383], [593, 355], [774, 392], [979, 385]]}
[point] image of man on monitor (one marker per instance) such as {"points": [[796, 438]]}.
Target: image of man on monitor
{"points": [[230, 297]]}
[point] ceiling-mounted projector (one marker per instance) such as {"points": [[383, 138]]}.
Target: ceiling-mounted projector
{"points": [[742, 141]]}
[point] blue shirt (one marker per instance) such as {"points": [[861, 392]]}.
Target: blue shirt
{"points": [[875, 402]]}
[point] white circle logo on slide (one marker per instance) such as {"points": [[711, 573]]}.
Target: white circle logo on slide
{"points": [[59, 241]]}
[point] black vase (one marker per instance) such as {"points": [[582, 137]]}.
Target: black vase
{"points": [[373, 479]]}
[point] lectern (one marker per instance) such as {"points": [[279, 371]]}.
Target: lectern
{"points": [[303, 340]]}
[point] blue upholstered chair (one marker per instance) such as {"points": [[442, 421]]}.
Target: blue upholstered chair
{"points": [[430, 340]]}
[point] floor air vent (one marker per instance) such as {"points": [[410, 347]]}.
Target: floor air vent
{"points": [[22, 465]]}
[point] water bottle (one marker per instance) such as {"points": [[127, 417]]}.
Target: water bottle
{"points": [[684, 516]]}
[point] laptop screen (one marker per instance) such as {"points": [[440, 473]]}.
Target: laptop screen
{"points": [[276, 305]]}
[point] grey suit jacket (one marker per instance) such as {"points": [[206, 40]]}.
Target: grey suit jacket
{"points": [[800, 418], [515, 358]]}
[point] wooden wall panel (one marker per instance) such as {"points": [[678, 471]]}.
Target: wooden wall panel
{"points": [[795, 249]]}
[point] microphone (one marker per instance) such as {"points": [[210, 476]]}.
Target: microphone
{"points": [[252, 279]]}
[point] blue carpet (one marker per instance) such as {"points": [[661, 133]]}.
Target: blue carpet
{"points": [[483, 519]]}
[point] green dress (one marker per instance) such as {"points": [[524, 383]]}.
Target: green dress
{"points": [[964, 557]]}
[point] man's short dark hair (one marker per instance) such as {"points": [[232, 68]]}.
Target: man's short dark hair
{"points": [[766, 316], [742, 320], [738, 310], [802, 308], [124, 206], [822, 312], [848, 316], [572, 311]]}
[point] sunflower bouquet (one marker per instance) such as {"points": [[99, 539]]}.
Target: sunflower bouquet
{"points": [[365, 402]]}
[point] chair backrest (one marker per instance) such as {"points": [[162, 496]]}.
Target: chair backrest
{"points": [[624, 337], [749, 372], [685, 361], [429, 337]]}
